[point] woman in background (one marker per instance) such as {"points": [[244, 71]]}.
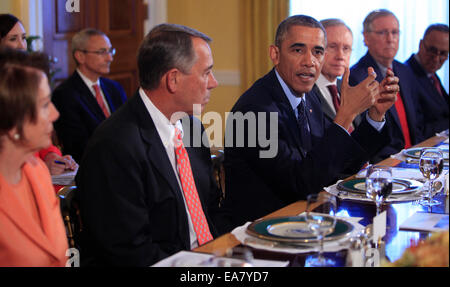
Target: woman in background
{"points": [[32, 230], [13, 36]]}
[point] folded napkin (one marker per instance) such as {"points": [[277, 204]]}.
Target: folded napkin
{"points": [[329, 246], [196, 259]]}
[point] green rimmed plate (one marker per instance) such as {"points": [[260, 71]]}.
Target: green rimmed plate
{"points": [[415, 152], [294, 229], [400, 186]]}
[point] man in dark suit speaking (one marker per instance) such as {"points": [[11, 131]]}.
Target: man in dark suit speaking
{"points": [[86, 99], [311, 151], [145, 191]]}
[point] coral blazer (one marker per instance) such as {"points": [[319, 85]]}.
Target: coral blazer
{"points": [[22, 241]]}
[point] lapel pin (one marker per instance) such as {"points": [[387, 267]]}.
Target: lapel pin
{"points": [[310, 111]]}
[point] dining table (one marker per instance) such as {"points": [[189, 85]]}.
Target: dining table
{"points": [[395, 241]]}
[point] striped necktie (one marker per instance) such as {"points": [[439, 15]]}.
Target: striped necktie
{"points": [[302, 120], [100, 101], [190, 191]]}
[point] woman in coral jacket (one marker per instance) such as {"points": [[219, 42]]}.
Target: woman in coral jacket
{"points": [[32, 232], [13, 35]]}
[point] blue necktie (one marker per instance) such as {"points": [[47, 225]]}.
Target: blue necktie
{"points": [[302, 119]]}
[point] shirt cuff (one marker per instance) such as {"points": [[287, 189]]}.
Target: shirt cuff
{"points": [[376, 125]]}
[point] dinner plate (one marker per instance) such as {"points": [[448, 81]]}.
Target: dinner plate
{"points": [[294, 229], [415, 152], [399, 186]]}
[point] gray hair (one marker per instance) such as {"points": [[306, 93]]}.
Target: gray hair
{"points": [[436, 27], [367, 24], [80, 39], [296, 20], [166, 46], [334, 22]]}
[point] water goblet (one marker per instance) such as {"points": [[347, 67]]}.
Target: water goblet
{"points": [[378, 184], [320, 217], [431, 164]]}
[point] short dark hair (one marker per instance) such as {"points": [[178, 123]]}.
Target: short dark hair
{"points": [[38, 60], [18, 93], [296, 20], [436, 27], [7, 22], [165, 47], [372, 16]]}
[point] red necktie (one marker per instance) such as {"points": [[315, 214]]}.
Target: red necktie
{"points": [[337, 101], [436, 84], [403, 121], [400, 108], [100, 101], [190, 191]]}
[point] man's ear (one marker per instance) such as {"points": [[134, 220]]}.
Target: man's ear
{"points": [[172, 79], [365, 34], [274, 53], [79, 56]]}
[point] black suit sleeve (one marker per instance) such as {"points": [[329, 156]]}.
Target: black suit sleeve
{"points": [[115, 208]]}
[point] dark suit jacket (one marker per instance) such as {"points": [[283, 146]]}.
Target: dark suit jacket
{"points": [[80, 114], [326, 109], [256, 186], [131, 205], [434, 106], [410, 93]]}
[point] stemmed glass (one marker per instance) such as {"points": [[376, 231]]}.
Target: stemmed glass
{"points": [[321, 220], [378, 184], [431, 164]]}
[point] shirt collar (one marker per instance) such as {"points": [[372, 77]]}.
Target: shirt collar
{"points": [[322, 81], [293, 99], [383, 68], [88, 82], [165, 129]]}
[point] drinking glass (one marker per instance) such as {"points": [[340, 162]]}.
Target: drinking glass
{"points": [[320, 217], [431, 164], [378, 184]]}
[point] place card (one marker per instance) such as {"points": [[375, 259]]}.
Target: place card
{"points": [[379, 226], [424, 221]]}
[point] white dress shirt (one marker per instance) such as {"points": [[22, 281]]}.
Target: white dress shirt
{"points": [[322, 84], [90, 84], [166, 132]]}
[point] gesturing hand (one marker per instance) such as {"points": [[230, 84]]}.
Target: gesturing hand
{"points": [[386, 97], [357, 99]]}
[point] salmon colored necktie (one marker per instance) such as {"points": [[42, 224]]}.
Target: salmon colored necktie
{"points": [[100, 101], [190, 191]]}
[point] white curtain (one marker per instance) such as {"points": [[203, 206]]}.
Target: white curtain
{"points": [[414, 16]]}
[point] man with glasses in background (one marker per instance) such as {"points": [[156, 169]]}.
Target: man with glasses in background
{"points": [[336, 60], [433, 52], [86, 99], [381, 36]]}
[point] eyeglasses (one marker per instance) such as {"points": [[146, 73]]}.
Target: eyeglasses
{"points": [[385, 33], [435, 52], [102, 52], [335, 48]]}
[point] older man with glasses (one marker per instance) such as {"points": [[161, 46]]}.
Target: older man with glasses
{"points": [[381, 36], [86, 99], [433, 52]]}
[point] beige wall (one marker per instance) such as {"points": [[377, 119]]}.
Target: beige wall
{"points": [[218, 19]]}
